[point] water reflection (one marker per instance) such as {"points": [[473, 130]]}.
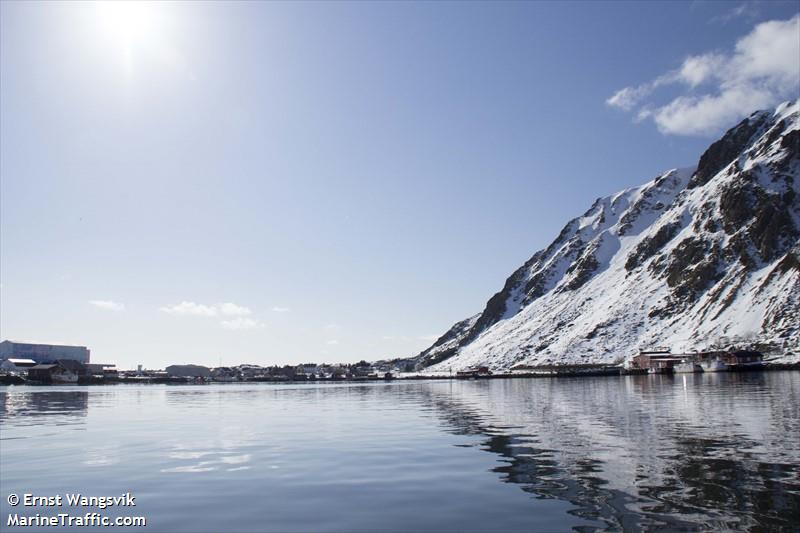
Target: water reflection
{"points": [[24, 403], [650, 452], [708, 452]]}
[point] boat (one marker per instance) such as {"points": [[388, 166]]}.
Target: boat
{"points": [[67, 378], [474, 372], [11, 378], [714, 365], [687, 367], [744, 367]]}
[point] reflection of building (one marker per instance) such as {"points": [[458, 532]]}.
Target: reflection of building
{"points": [[17, 402], [42, 353]]}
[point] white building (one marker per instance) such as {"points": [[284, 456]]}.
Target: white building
{"points": [[42, 353]]}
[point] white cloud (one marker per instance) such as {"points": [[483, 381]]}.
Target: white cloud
{"points": [[195, 309], [760, 72], [429, 337], [190, 308], [698, 69], [331, 328], [108, 305], [747, 10], [241, 323], [332, 342], [232, 309], [707, 114], [280, 309], [629, 97]]}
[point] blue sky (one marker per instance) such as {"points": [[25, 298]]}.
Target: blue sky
{"points": [[287, 182]]}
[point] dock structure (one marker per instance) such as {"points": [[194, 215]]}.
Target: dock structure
{"points": [[661, 360], [578, 369]]}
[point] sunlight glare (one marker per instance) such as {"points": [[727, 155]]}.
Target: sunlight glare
{"points": [[129, 22]]}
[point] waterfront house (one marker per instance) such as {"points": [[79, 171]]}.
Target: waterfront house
{"points": [[311, 368], [224, 373], [305, 371], [659, 359], [103, 370], [61, 371], [17, 365], [251, 371], [474, 372], [741, 359]]}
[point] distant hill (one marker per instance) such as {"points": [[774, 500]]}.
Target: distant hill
{"points": [[693, 256]]}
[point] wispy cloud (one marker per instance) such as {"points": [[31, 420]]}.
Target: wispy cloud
{"points": [[432, 337], [720, 87], [241, 323], [280, 309], [746, 10], [108, 305], [190, 309], [232, 309], [195, 309], [332, 342]]}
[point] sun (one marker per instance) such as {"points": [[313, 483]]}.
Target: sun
{"points": [[130, 23]]}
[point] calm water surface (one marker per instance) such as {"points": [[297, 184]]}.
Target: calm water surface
{"points": [[705, 451]]}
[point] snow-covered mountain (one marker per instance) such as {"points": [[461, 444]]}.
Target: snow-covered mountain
{"points": [[695, 255]]}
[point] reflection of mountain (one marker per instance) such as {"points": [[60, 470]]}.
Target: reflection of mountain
{"points": [[29, 402], [651, 453]]}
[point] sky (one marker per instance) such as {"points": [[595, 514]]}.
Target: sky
{"points": [[277, 183]]}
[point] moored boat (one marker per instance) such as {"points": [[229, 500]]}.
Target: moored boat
{"points": [[744, 367], [714, 365], [687, 367]]}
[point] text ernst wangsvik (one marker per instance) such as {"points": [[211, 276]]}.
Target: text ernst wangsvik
{"points": [[79, 500]]}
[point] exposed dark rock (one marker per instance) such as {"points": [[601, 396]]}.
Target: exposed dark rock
{"points": [[791, 142], [650, 245], [694, 266], [583, 269], [736, 207], [724, 151], [711, 226], [772, 135], [738, 250], [598, 329], [772, 230], [790, 262], [439, 356]]}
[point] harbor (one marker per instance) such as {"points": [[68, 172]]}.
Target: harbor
{"points": [[71, 372]]}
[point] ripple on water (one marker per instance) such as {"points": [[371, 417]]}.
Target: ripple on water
{"points": [[637, 452]]}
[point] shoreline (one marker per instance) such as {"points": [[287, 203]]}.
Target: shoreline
{"points": [[551, 372]]}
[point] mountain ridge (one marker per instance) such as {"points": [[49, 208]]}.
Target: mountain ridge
{"points": [[693, 255]]}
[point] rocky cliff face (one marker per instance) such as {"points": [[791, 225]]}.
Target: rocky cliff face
{"points": [[692, 256]]}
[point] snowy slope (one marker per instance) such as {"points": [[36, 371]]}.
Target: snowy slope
{"points": [[690, 258]]}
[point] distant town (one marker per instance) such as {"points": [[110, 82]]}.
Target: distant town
{"points": [[47, 364], [22, 362]]}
